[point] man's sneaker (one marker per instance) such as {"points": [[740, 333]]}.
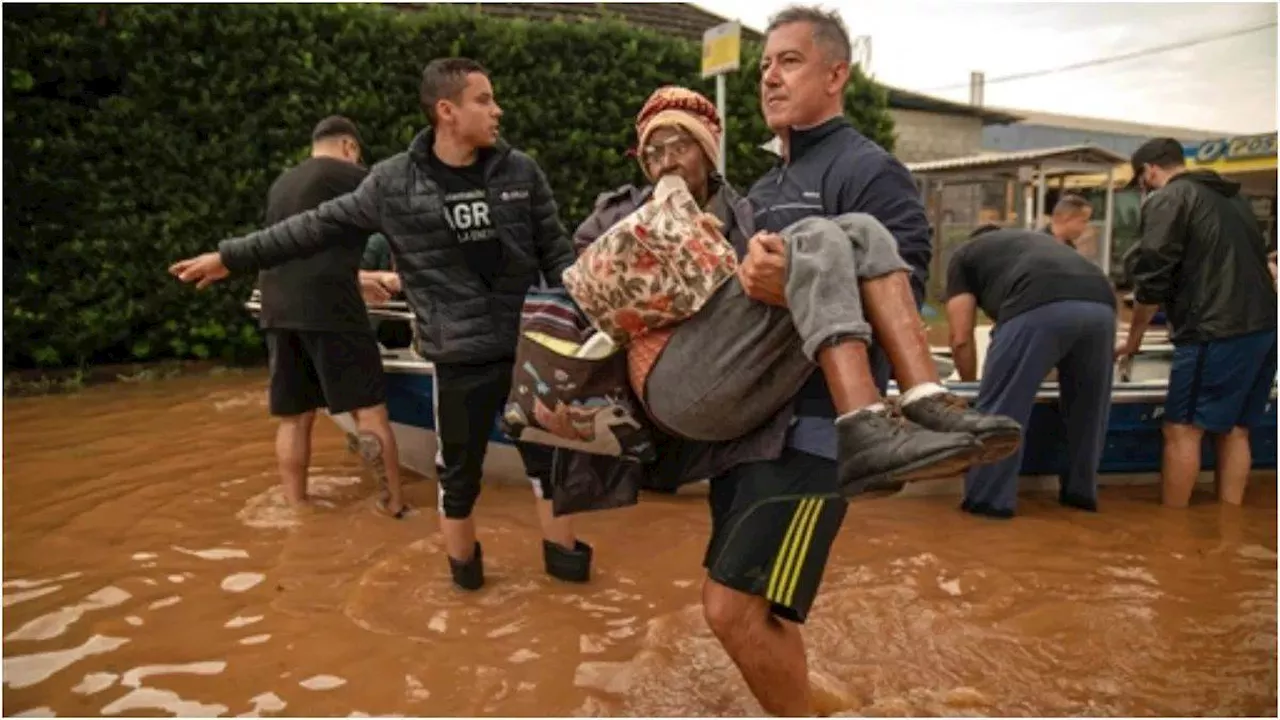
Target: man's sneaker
{"points": [[946, 412], [876, 446], [567, 565], [468, 575]]}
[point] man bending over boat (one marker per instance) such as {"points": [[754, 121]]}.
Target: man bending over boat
{"points": [[454, 206], [1054, 308]]}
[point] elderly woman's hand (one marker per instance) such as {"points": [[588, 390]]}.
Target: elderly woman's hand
{"points": [[763, 272]]}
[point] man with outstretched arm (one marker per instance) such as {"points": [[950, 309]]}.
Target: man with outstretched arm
{"points": [[472, 226]]}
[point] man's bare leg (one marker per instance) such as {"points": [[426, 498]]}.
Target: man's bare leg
{"points": [[378, 448], [847, 370], [293, 455], [1180, 466], [459, 537], [564, 556], [768, 652], [1235, 459], [890, 308], [558, 530]]}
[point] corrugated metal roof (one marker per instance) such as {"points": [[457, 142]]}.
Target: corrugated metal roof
{"points": [[1089, 154], [1107, 125], [901, 99]]}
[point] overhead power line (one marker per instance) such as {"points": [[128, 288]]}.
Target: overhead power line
{"points": [[1115, 58]]}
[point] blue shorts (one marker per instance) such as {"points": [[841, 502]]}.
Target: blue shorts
{"points": [[1222, 384]]}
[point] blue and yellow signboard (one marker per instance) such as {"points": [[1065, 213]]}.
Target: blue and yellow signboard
{"points": [[1243, 153]]}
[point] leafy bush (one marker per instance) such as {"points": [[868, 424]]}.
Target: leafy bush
{"points": [[139, 134]]}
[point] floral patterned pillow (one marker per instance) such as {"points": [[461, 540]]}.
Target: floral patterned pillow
{"points": [[654, 268]]}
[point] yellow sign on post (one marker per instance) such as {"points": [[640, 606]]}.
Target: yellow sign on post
{"points": [[721, 54], [721, 49]]}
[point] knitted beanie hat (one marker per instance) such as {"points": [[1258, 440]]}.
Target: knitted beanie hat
{"points": [[680, 107]]}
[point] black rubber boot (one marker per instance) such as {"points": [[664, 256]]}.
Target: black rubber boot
{"points": [[567, 565], [468, 575]]}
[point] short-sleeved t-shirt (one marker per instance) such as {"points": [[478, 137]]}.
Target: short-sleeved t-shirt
{"points": [[377, 253], [1012, 271], [319, 292]]}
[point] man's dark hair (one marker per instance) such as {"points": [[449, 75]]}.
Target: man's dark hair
{"points": [[445, 79], [1071, 204], [335, 126], [984, 229], [1162, 152], [829, 31]]}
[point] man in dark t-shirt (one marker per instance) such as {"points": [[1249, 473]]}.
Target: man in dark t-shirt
{"points": [[1052, 307], [321, 347], [466, 210]]}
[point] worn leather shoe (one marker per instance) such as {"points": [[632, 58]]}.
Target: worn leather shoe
{"points": [[946, 412], [875, 447]]}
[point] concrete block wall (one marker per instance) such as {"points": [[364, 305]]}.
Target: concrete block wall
{"points": [[923, 136], [932, 136]]}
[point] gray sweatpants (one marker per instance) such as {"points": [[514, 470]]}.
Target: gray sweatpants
{"points": [[736, 363]]}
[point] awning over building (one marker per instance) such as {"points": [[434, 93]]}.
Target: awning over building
{"points": [[1027, 168]]}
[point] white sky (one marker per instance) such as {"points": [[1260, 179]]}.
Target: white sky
{"points": [[923, 45]]}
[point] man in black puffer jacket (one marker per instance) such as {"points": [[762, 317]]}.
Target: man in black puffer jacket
{"points": [[472, 225], [1203, 258]]}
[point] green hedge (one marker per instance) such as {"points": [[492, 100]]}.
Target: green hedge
{"points": [[137, 135]]}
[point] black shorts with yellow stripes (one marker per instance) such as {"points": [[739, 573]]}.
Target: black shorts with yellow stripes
{"points": [[772, 525]]}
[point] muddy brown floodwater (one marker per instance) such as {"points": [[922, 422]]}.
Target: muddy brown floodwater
{"points": [[150, 568]]}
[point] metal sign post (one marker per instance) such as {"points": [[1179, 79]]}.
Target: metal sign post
{"points": [[720, 110], [721, 54]]}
